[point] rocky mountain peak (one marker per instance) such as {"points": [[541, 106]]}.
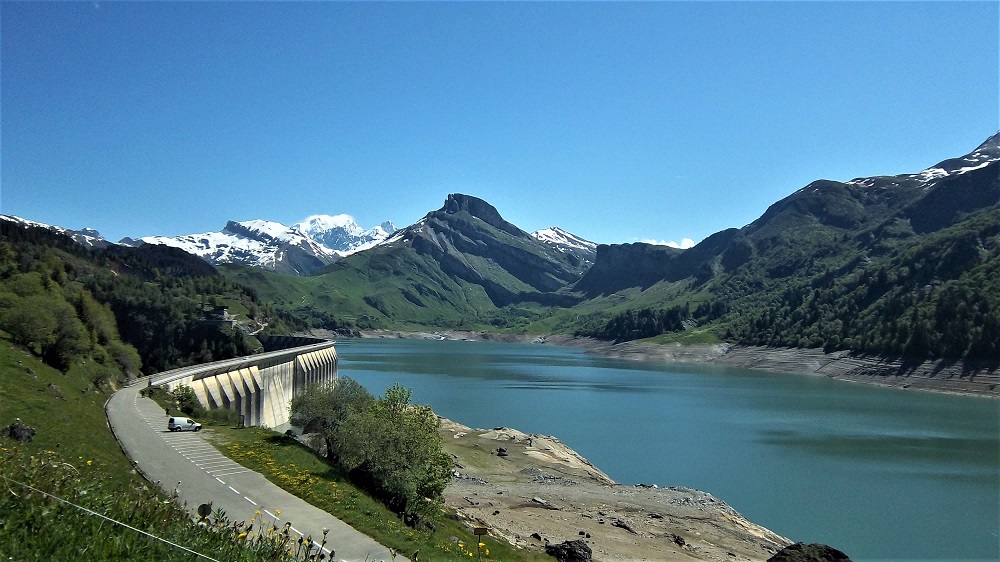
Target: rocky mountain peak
{"points": [[480, 209]]}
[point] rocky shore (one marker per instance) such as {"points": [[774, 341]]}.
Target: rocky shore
{"points": [[533, 491], [953, 377]]}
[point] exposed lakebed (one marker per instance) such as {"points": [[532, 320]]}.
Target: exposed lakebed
{"points": [[878, 473]]}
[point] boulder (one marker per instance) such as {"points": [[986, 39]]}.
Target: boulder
{"points": [[18, 431], [55, 391], [570, 551], [815, 552], [314, 441]]}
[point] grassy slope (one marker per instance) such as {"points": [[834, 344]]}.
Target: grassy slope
{"points": [[74, 456], [374, 291], [75, 425]]}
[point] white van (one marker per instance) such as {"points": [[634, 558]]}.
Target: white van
{"points": [[183, 424]]}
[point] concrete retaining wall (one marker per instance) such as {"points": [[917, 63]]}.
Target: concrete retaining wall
{"points": [[258, 387]]}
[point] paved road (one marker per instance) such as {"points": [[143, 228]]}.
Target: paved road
{"points": [[200, 474]]}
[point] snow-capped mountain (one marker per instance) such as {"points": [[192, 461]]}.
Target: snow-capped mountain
{"points": [[259, 243], [342, 235], [85, 237], [297, 250], [567, 243]]}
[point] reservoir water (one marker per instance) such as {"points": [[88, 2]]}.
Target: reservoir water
{"points": [[881, 474]]}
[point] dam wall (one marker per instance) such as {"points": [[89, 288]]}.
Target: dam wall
{"points": [[258, 387]]}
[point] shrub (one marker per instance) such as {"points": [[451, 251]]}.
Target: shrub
{"points": [[187, 400], [387, 446]]}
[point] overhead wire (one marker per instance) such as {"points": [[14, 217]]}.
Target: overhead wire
{"points": [[105, 517]]}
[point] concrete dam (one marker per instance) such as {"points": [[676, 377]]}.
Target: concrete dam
{"points": [[259, 387]]}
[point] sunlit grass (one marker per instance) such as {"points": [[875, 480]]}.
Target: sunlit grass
{"points": [[37, 526], [695, 336]]}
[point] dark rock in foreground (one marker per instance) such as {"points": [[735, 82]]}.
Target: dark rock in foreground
{"points": [[800, 552], [18, 432], [570, 551]]}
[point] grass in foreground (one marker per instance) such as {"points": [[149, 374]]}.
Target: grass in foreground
{"points": [[74, 457], [36, 526], [300, 471], [66, 411]]}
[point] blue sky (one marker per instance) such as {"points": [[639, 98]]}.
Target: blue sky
{"points": [[615, 121]]}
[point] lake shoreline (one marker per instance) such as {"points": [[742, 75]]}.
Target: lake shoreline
{"points": [[948, 377], [531, 490]]}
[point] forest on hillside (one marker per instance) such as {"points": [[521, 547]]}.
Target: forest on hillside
{"points": [[938, 298], [112, 313]]}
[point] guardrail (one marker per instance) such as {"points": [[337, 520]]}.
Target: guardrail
{"points": [[259, 387], [216, 367]]}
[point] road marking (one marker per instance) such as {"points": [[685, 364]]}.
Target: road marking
{"points": [[210, 467], [202, 455], [199, 449], [225, 473], [186, 447], [273, 516], [249, 500], [213, 461], [207, 460], [220, 481], [233, 489]]}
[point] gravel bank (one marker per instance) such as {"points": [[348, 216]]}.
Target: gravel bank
{"points": [[532, 489], [954, 377]]}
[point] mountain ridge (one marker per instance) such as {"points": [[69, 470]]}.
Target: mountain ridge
{"points": [[874, 265], [301, 249], [881, 264]]}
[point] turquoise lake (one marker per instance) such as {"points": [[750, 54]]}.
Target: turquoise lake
{"points": [[881, 474]]}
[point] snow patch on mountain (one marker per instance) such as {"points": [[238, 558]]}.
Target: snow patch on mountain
{"points": [[566, 242], [259, 243], [983, 156], [85, 237]]}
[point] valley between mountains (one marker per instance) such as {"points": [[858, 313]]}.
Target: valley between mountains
{"points": [[884, 278], [887, 279]]}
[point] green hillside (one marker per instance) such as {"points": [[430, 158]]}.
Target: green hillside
{"points": [[63, 351], [116, 311], [461, 267], [896, 266]]}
